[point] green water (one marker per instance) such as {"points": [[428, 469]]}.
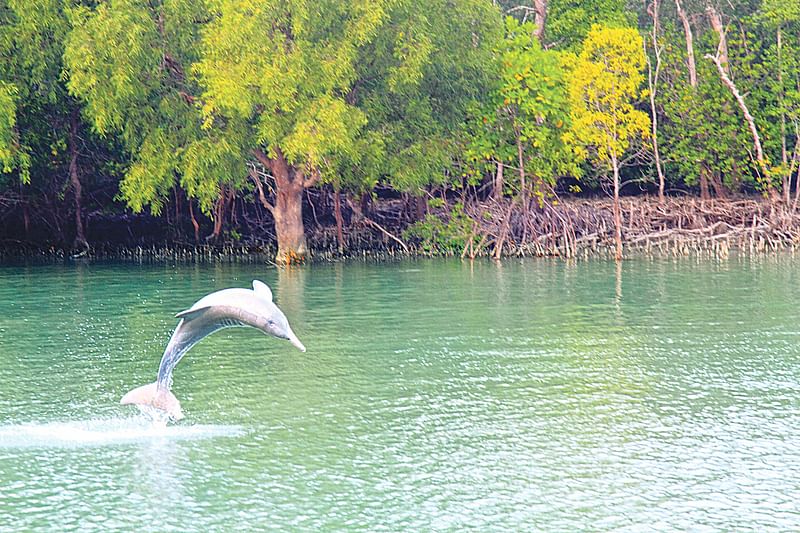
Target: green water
{"points": [[434, 395]]}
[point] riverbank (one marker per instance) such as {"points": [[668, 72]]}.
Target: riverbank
{"points": [[672, 227], [565, 228]]}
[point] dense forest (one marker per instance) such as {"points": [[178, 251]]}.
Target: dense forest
{"points": [[450, 126]]}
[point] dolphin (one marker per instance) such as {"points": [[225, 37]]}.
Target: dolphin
{"points": [[222, 309]]}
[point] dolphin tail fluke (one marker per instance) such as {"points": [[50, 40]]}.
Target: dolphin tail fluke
{"points": [[149, 395]]}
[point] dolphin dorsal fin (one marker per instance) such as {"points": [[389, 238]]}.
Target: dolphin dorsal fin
{"points": [[261, 289], [189, 314]]}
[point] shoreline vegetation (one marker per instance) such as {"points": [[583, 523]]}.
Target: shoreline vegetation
{"points": [[567, 228], [310, 131]]}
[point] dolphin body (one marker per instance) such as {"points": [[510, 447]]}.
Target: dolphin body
{"points": [[222, 309]]}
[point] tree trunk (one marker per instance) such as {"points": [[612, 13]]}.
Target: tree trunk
{"points": [[797, 179], [501, 240], [177, 192], [522, 185], [195, 224], [762, 164], [539, 18], [652, 77], [366, 199], [787, 173], [705, 192], [26, 219], [74, 178], [687, 30], [715, 20], [497, 193], [219, 214], [617, 212], [288, 212], [421, 205], [288, 208], [691, 66], [337, 213], [719, 187]]}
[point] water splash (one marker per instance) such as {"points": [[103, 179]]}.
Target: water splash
{"points": [[106, 432], [157, 417]]}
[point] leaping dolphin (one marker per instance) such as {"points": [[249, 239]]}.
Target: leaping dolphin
{"points": [[222, 309]]}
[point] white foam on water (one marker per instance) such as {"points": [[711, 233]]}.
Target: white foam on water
{"points": [[104, 432]]}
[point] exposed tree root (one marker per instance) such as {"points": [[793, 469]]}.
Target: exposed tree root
{"points": [[676, 226]]}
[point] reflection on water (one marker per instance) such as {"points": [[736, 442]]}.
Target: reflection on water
{"points": [[435, 395]]}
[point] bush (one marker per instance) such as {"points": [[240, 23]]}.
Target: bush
{"points": [[443, 234]]}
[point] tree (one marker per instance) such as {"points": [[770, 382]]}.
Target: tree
{"points": [[604, 86], [524, 122], [130, 64], [652, 83], [41, 132], [775, 84], [337, 92], [569, 21], [282, 71], [419, 80]]}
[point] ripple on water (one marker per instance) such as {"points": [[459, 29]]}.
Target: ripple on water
{"points": [[521, 396], [105, 432]]}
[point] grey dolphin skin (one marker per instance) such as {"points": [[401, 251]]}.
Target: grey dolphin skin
{"points": [[222, 309]]}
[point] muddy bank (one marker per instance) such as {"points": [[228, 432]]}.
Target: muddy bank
{"points": [[392, 228]]}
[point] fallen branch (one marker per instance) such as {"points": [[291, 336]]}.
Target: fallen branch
{"points": [[388, 234]]}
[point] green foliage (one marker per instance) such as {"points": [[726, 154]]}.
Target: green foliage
{"points": [[778, 13], [130, 62], [11, 155], [289, 83], [722, 147], [420, 122], [31, 94], [569, 21], [529, 105], [772, 75], [355, 91], [448, 235], [409, 94]]}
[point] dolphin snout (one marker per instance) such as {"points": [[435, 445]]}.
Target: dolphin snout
{"points": [[296, 342]]}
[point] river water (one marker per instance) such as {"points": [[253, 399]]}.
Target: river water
{"points": [[434, 396]]}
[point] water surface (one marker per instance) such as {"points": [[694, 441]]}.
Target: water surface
{"points": [[434, 395]]}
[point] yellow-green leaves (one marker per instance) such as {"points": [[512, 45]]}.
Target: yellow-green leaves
{"points": [[111, 62], [150, 177], [287, 67], [525, 123], [412, 50], [208, 158], [131, 64], [604, 85], [325, 126], [11, 154]]}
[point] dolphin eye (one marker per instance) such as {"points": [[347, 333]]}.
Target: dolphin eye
{"points": [[271, 323]]}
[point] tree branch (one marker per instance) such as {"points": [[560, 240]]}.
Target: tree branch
{"points": [[687, 29], [311, 180], [261, 157], [748, 117], [260, 189], [388, 234]]}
